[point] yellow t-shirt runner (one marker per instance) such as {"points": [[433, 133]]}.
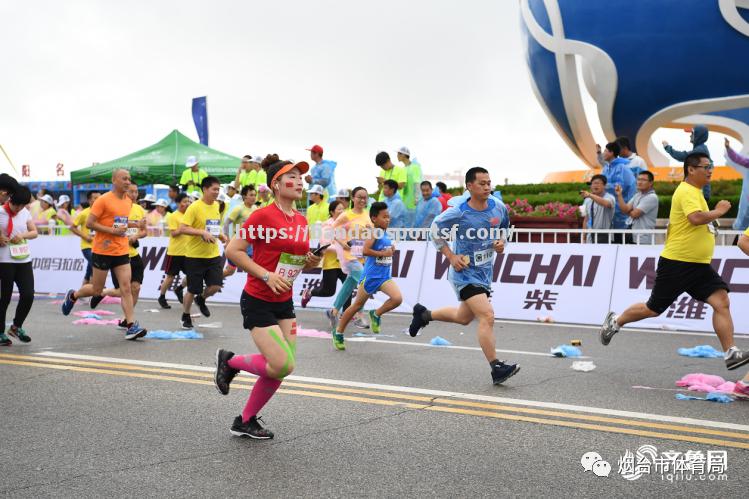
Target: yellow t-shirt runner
{"points": [[202, 216], [137, 213], [397, 173], [80, 223], [686, 242], [354, 222], [177, 244]]}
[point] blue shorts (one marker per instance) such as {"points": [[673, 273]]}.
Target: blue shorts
{"points": [[373, 284]]}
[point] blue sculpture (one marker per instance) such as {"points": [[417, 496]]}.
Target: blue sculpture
{"points": [[646, 64]]}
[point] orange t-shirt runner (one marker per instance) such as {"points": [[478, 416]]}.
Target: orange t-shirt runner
{"points": [[111, 211]]}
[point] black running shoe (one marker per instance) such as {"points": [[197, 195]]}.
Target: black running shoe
{"points": [[502, 372], [123, 325], [250, 429], [201, 304], [224, 374], [417, 322], [163, 302], [179, 293], [95, 300], [186, 321]]}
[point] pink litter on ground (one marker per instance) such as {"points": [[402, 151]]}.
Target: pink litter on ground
{"points": [[82, 313], [312, 333], [57, 302], [111, 300], [698, 382], [95, 322]]}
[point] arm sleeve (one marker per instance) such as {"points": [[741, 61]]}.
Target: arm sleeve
{"points": [[689, 204], [98, 208], [444, 221], [677, 155], [648, 203], [738, 158], [189, 218]]}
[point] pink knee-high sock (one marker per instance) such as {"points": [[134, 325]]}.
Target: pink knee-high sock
{"points": [[255, 364], [261, 393]]}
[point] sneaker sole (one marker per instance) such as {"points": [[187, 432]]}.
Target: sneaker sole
{"points": [[602, 332], [186, 328], [513, 373], [242, 434], [215, 375], [744, 362], [139, 334]]}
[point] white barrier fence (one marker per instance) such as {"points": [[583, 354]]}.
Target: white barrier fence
{"points": [[571, 283]]}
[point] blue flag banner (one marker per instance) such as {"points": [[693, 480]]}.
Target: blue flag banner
{"points": [[200, 116]]}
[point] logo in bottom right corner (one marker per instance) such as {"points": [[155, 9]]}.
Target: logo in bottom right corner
{"points": [[674, 466]]}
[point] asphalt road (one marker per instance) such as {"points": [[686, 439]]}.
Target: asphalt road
{"points": [[87, 414]]}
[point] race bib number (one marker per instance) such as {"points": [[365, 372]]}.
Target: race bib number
{"points": [[290, 266], [19, 251], [120, 223], [132, 231], [357, 248], [483, 257], [384, 260], [213, 227]]}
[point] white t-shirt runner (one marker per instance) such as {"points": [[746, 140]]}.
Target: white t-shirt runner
{"points": [[20, 221]]}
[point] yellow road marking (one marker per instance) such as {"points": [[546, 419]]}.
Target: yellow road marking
{"points": [[289, 388]]}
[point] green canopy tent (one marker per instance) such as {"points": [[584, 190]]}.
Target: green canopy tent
{"points": [[162, 163]]}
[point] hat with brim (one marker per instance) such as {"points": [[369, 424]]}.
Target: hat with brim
{"points": [[47, 199], [161, 202], [277, 169], [316, 189]]}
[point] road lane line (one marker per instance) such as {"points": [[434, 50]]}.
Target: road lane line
{"points": [[439, 393], [444, 409]]}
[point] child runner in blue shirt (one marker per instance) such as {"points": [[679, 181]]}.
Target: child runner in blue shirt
{"points": [[376, 276], [481, 223]]}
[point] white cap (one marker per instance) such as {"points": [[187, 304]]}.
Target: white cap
{"points": [[62, 200], [404, 150], [229, 186], [343, 193], [315, 189], [195, 194], [149, 198], [191, 161], [48, 199], [161, 202], [222, 197], [257, 159]]}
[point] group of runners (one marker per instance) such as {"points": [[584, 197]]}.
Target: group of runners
{"points": [[364, 255]]}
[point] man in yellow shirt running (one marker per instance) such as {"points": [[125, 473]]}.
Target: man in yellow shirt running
{"points": [[684, 264], [87, 236], [202, 225]]}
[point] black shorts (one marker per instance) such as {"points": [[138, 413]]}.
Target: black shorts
{"points": [[673, 278], [136, 272], [472, 290], [175, 264], [261, 313], [107, 262], [199, 270]]}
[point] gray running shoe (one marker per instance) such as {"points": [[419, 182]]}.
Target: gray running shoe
{"points": [[737, 359], [609, 328]]}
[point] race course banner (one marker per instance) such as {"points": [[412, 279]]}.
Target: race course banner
{"points": [[567, 283]]}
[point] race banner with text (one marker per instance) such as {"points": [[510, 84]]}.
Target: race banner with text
{"points": [[564, 282], [567, 283], [635, 275]]}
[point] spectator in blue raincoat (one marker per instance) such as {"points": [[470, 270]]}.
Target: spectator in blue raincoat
{"points": [[698, 138], [617, 172], [395, 204], [323, 173], [427, 208]]}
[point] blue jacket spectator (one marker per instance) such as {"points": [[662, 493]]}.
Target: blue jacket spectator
{"points": [[617, 172], [698, 138], [397, 209], [323, 173], [427, 208]]}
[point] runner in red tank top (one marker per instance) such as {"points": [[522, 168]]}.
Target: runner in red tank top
{"points": [[280, 243]]}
